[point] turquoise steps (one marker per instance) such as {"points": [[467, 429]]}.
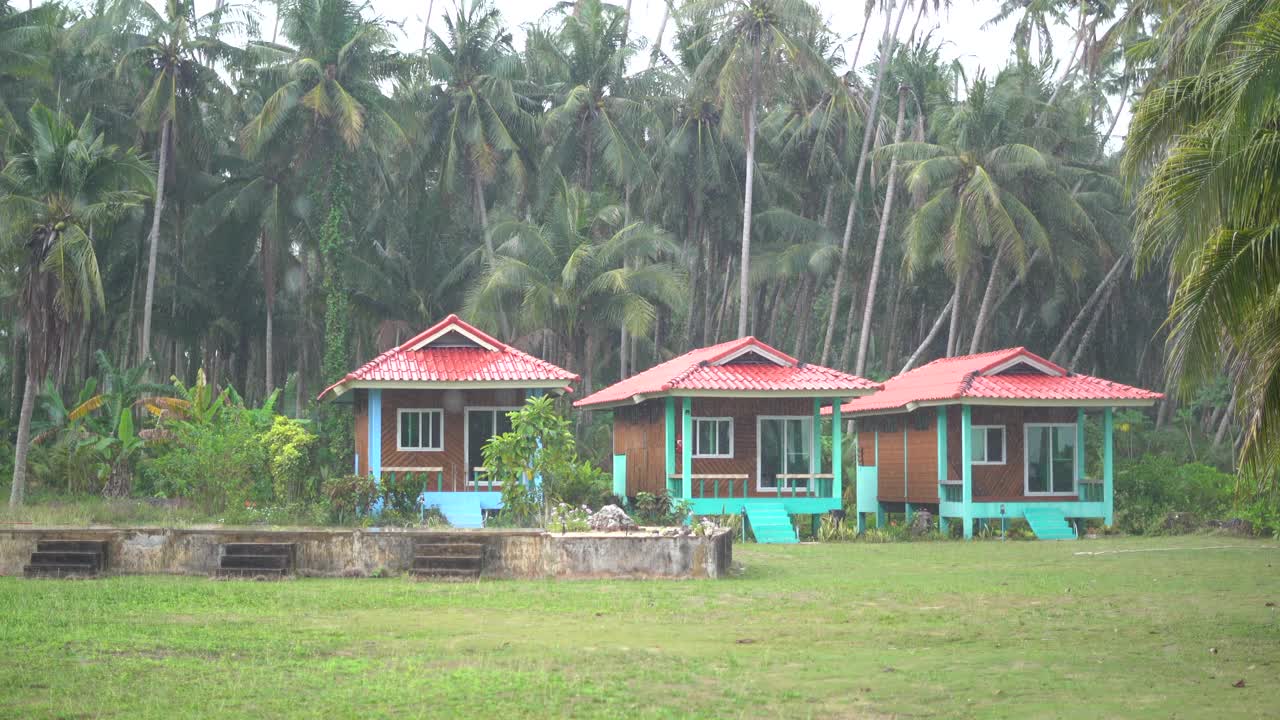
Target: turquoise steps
{"points": [[1049, 524], [461, 509], [770, 523]]}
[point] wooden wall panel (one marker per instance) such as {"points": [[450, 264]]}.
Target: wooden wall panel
{"points": [[992, 483], [913, 476], [638, 433], [453, 402]]}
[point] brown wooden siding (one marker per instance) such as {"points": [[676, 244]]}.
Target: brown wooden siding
{"points": [[454, 403], [911, 476], [991, 483], [639, 432]]}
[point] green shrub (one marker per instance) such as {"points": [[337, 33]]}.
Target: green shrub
{"points": [[349, 496], [1149, 488], [217, 465], [291, 453], [650, 509]]}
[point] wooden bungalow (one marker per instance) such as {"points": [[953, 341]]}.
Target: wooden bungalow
{"points": [[732, 428], [428, 406], [988, 437]]}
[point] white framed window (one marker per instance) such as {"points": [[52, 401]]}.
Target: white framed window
{"points": [[713, 437], [989, 445], [420, 429], [1050, 463]]}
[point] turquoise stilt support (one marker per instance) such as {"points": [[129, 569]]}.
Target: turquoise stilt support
{"points": [[966, 468], [862, 522], [942, 464], [1108, 461], [881, 518], [670, 439], [911, 510], [686, 448], [374, 425], [837, 452]]}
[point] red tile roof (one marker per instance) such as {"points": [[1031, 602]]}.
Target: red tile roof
{"points": [[449, 352], [745, 365], [1014, 374]]}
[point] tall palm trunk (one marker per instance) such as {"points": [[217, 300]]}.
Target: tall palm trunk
{"points": [[1084, 313], [867, 132], [426, 25], [662, 27], [18, 491], [953, 332], [947, 311], [984, 311], [149, 295], [478, 187], [1092, 327], [864, 336], [744, 282], [269, 290]]}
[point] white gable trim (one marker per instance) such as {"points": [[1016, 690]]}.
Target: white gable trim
{"points": [[758, 350], [454, 327], [1024, 360]]}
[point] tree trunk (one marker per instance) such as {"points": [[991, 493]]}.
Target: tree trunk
{"points": [[866, 22], [984, 310], [1110, 277], [662, 27], [1224, 422], [426, 25], [864, 336], [953, 332], [744, 281], [18, 491], [891, 345], [911, 37], [867, 132], [149, 296], [1067, 73], [1093, 326], [947, 310], [478, 188]]}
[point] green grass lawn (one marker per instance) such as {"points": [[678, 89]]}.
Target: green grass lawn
{"points": [[923, 629]]}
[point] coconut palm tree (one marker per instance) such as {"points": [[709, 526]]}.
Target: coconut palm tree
{"points": [[172, 53], [569, 274], [753, 43], [1204, 138], [64, 184]]}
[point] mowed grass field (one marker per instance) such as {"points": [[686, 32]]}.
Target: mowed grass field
{"points": [[1158, 627]]}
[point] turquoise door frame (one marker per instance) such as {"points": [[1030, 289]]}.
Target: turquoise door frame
{"points": [[942, 464], [374, 425]]}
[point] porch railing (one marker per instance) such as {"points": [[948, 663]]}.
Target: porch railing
{"points": [[713, 485], [952, 492], [820, 485], [481, 480], [431, 479], [1090, 491]]}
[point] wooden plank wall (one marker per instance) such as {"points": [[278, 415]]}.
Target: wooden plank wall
{"points": [[909, 478], [993, 483], [639, 432], [453, 402]]}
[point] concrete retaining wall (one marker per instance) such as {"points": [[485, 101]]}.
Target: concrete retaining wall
{"points": [[360, 552]]}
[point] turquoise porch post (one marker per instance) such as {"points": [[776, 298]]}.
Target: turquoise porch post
{"points": [[1079, 447], [942, 465], [815, 445], [686, 449], [837, 452], [966, 468], [670, 443], [1108, 453], [374, 425]]}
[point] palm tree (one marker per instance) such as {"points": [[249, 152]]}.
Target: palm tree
{"points": [[63, 185], [753, 42], [1209, 210], [570, 275], [478, 123], [173, 54]]}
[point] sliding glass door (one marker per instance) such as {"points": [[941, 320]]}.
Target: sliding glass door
{"points": [[1051, 459], [785, 447]]}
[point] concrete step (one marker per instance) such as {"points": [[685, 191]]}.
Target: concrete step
{"points": [[62, 557], [251, 573], [271, 562], [446, 574], [59, 570], [77, 546], [447, 547], [447, 562], [282, 549]]}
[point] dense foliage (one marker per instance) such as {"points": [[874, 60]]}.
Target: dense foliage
{"points": [[267, 205]]}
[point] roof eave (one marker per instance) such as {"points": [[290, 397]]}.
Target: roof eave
{"points": [[559, 385], [1007, 402]]}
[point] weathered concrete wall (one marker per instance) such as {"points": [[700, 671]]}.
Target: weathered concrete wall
{"points": [[357, 552]]}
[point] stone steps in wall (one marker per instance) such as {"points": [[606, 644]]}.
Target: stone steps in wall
{"points": [[67, 558], [254, 560], [447, 558]]}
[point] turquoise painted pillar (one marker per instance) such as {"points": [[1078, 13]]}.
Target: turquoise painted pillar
{"points": [[620, 476], [1080, 468], [686, 449], [815, 442], [374, 425], [1108, 459], [671, 443], [837, 452], [942, 464], [966, 468]]}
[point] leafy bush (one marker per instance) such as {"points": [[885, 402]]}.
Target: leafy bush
{"points": [[348, 496], [650, 509], [569, 518], [1149, 488], [217, 465], [291, 459], [835, 529]]}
